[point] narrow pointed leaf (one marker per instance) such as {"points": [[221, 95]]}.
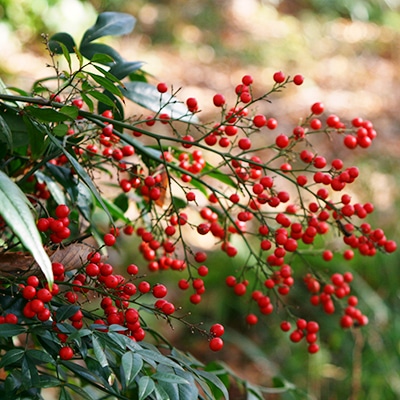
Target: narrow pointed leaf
{"points": [[131, 365], [15, 210], [5, 133], [12, 356], [146, 387]]}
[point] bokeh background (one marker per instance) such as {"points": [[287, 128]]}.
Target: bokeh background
{"points": [[349, 53]]}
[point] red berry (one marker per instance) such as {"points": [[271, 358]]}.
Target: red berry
{"points": [[109, 239], [279, 77], [217, 330], [66, 353], [216, 344], [62, 211], [298, 79], [317, 108], [162, 87], [247, 80], [159, 291], [219, 100], [251, 319]]}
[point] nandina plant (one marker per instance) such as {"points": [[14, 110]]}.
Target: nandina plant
{"points": [[181, 188]]}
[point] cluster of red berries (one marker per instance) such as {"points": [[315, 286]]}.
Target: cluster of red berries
{"points": [[58, 227], [279, 222], [304, 329]]}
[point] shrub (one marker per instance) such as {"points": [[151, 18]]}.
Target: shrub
{"points": [[179, 187]]}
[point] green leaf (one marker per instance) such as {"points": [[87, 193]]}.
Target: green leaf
{"points": [[101, 58], [96, 51], [6, 134], [131, 365], [60, 130], [54, 189], [178, 203], [15, 210], [146, 387], [30, 375], [83, 175], [107, 84], [117, 107], [212, 378], [64, 312], [149, 97], [71, 111], [115, 211], [151, 356], [99, 352], [36, 134], [49, 114], [101, 97], [79, 391], [209, 170], [123, 68], [64, 395], [64, 38], [39, 356], [82, 372], [169, 377], [12, 356], [110, 24]]}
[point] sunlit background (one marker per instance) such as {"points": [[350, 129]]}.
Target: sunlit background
{"points": [[349, 53]]}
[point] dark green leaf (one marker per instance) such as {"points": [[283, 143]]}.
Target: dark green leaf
{"points": [[107, 84], [5, 134], [93, 51], [152, 356], [110, 24], [122, 202], [64, 38], [117, 107], [215, 381], [87, 101], [101, 97], [149, 97], [131, 365], [54, 189], [102, 59], [146, 387], [169, 377], [47, 381], [71, 111], [14, 208], [123, 68], [49, 114], [60, 130], [30, 375], [15, 122], [99, 352], [12, 356], [36, 134], [64, 395], [79, 391], [178, 203], [115, 211], [209, 170], [82, 372], [39, 356], [64, 312]]}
